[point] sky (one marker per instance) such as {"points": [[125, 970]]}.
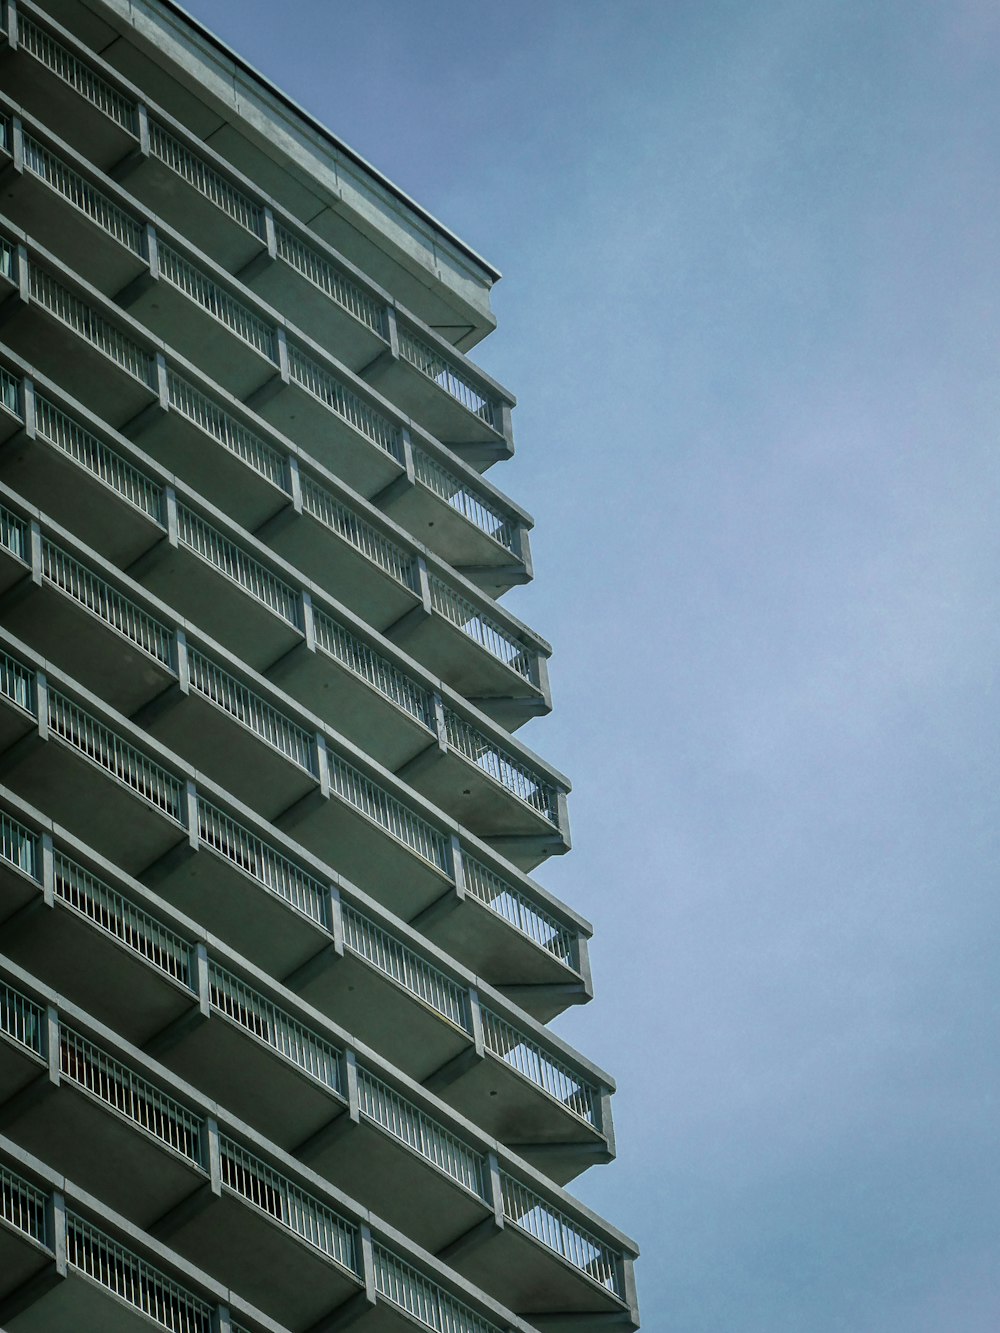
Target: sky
{"points": [[750, 312]]}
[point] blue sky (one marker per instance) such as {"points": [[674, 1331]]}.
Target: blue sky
{"points": [[751, 315]]}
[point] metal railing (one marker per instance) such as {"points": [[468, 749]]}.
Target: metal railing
{"points": [[334, 284], [501, 766], [52, 424], [251, 711], [446, 375], [457, 493], [363, 536], [22, 1206], [481, 628], [133, 1280], [94, 900], [242, 569], [201, 289], [527, 1058], [13, 534], [254, 858], [133, 1097], [414, 974], [393, 684], [79, 192], [61, 62], [209, 183], [423, 1300], [318, 382], [274, 1028], [90, 325], [7, 265], [388, 813], [106, 603], [19, 846], [17, 683], [10, 394], [407, 1123], [559, 1233], [22, 1019], [306, 1217], [122, 761], [517, 910], [226, 430]]}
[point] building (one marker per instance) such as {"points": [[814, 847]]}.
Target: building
{"points": [[274, 973]]}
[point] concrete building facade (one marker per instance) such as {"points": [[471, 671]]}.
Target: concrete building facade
{"points": [[275, 974]]}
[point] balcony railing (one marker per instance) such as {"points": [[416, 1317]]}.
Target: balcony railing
{"points": [[100, 599], [242, 569], [88, 324], [17, 683], [22, 1206], [389, 814], [209, 183], [392, 958], [10, 394], [134, 1281], [268, 1024], [122, 761], [252, 712], [517, 910], [462, 498], [79, 192], [501, 766], [559, 1233], [110, 1082], [274, 1194], [351, 652], [200, 288], [254, 858], [61, 62], [480, 628], [389, 557], [115, 472], [226, 430], [407, 1123], [94, 900], [19, 846], [423, 1300], [22, 1019], [317, 381], [321, 273], [527, 1058], [446, 375]]}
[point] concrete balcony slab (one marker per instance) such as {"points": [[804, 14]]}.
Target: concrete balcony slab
{"points": [[238, 909], [21, 1259], [446, 650], [323, 684], [399, 1185], [335, 329], [171, 197], [101, 659], [94, 970], [19, 1067], [343, 571], [513, 1109], [480, 803], [365, 853], [491, 947], [384, 1015], [82, 244], [49, 97], [252, 1080], [442, 527], [219, 605], [82, 796], [13, 569], [15, 724], [81, 368], [327, 437], [224, 478], [526, 1275], [441, 414], [73, 496], [79, 1305], [231, 754], [207, 341], [78, 1135], [269, 1265], [17, 888]]}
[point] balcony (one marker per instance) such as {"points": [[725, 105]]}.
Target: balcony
{"points": [[200, 194], [562, 1264]]}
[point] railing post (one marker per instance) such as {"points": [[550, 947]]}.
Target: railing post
{"points": [[349, 1071], [182, 661], [222, 1320], [26, 402], [475, 1013], [212, 1154], [308, 620], [335, 918], [493, 1187], [47, 876], [17, 144], [322, 773], [55, 1229], [10, 23], [193, 822], [42, 705], [52, 1045]]}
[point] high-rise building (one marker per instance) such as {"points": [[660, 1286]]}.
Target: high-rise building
{"points": [[275, 977]]}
